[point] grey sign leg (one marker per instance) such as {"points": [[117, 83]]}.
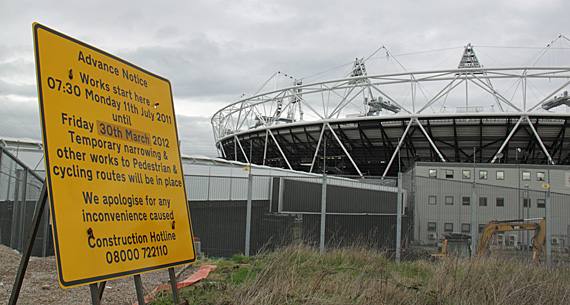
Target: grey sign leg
{"points": [[139, 288], [174, 285], [95, 299], [101, 289], [29, 246]]}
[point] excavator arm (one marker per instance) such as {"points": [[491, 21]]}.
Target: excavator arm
{"points": [[502, 226]]}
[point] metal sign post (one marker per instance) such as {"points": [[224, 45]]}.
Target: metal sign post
{"points": [[95, 297], [174, 285], [139, 288], [29, 246]]}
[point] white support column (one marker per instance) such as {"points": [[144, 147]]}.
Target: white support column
{"points": [[241, 148], [398, 148], [508, 139], [539, 140], [317, 148], [222, 149], [430, 141], [281, 151], [344, 149]]}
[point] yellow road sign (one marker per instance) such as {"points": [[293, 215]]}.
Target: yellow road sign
{"points": [[113, 168], [546, 185]]}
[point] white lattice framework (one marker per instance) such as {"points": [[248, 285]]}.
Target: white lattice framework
{"points": [[525, 92]]}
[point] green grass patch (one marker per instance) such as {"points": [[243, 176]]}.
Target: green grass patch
{"points": [[299, 274]]}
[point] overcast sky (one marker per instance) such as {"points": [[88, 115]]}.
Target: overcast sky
{"points": [[215, 51]]}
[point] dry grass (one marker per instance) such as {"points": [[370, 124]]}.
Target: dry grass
{"points": [[298, 274]]}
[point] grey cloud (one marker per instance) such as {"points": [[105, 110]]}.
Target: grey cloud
{"points": [[214, 51], [195, 135], [24, 90], [20, 119]]}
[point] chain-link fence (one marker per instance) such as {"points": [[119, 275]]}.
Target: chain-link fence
{"points": [[255, 213], [20, 190]]}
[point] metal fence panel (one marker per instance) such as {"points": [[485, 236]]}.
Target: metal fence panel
{"points": [[19, 192], [220, 221], [357, 210]]}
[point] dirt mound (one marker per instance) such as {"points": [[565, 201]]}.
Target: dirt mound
{"points": [[41, 285]]}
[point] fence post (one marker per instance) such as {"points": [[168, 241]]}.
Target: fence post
{"points": [[23, 181], [548, 224], [323, 213], [474, 226], [248, 213], [399, 219]]}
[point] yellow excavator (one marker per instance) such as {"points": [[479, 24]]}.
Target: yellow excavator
{"points": [[455, 244], [539, 228], [460, 244]]}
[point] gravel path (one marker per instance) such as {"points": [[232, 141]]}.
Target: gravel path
{"points": [[41, 285]]}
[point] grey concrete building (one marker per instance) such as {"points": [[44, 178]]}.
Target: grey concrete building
{"points": [[442, 198]]}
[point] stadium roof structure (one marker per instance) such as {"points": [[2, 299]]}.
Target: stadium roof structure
{"points": [[377, 124]]}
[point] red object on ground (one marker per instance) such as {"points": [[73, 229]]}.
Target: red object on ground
{"points": [[199, 275]]}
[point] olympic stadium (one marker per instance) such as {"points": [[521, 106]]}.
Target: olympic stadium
{"points": [[369, 122], [470, 140]]}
